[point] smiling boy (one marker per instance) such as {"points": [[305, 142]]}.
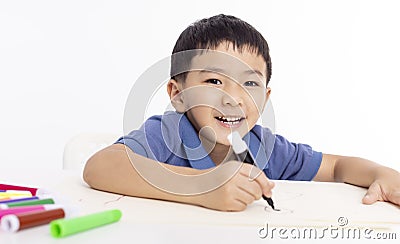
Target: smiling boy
{"points": [[184, 155]]}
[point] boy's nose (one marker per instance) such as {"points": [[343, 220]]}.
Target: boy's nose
{"points": [[232, 99]]}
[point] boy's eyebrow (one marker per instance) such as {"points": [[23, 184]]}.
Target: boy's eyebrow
{"points": [[254, 71], [222, 71]]}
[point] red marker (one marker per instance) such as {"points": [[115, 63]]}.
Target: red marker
{"points": [[20, 188], [25, 209], [17, 222]]}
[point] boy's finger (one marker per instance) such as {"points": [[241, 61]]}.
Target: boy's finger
{"points": [[251, 187], [395, 197], [245, 196], [265, 184], [257, 175], [373, 194], [267, 191], [254, 172], [251, 171]]}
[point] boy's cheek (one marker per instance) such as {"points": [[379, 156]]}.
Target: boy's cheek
{"points": [[211, 97], [258, 100], [202, 96]]}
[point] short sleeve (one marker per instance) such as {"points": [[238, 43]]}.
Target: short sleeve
{"points": [[133, 141], [293, 161], [147, 141]]}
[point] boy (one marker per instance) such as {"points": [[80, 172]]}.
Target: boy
{"points": [[184, 156]]}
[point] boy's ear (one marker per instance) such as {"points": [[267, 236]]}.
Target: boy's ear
{"points": [[175, 95], [267, 94]]}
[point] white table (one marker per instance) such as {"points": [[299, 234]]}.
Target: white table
{"points": [[303, 204]]}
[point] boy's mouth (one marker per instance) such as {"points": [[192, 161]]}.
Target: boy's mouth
{"points": [[230, 120]]}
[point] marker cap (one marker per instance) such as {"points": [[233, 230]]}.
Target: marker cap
{"points": [[64, 227], [238, 145], [44, 192], [10, 223]]}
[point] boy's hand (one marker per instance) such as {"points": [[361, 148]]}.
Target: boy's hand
{"points": [[383, 182], [386, 187], [247, 185]]}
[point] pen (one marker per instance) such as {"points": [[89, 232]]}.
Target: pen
{"points": [[24, 209], [244, 155], [29, 203], [3, 192], [23, 188], [12, 194], [34, 191], [64, 227], [3, 201], [20, 221]]}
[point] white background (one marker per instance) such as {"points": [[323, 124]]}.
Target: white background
{"points": [[67, 67]]}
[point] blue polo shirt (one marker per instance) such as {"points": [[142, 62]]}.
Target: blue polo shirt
{"points": [[170, 138]]}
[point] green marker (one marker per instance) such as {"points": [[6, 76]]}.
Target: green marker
{"points": [[64, 227], [27, 203]]}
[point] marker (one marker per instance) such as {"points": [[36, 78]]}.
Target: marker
{"points": [[11, 194], [15, 192], [25, 209], [12, 197], [21, 188], [24, 199], [64, 227], [4, 201], [244, 155], [28, 203], [16, 222]]}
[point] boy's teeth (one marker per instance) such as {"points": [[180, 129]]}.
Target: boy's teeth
{"points": [[229, 119]]}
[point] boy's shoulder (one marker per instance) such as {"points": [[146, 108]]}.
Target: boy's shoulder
{"points": [[166, 123], [170, 129]]}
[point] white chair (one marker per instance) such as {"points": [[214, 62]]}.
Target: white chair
{"points": [[81, 147]]}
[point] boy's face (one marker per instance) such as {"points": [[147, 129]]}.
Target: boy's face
{"points": [[225, 91]]}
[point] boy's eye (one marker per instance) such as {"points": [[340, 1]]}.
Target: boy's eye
{"points": [[214, 81], [250, 83]]}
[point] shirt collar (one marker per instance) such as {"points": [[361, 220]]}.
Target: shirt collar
{"points": [[199, 158], [196, 154]]}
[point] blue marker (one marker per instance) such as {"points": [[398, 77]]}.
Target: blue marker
{"points": [[23, 199]]}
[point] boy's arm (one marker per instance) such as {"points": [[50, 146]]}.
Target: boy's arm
{"points": [[111, 170], [383, 183]]}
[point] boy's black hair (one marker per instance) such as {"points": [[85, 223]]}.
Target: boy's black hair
{"points": [[210, 32]]}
